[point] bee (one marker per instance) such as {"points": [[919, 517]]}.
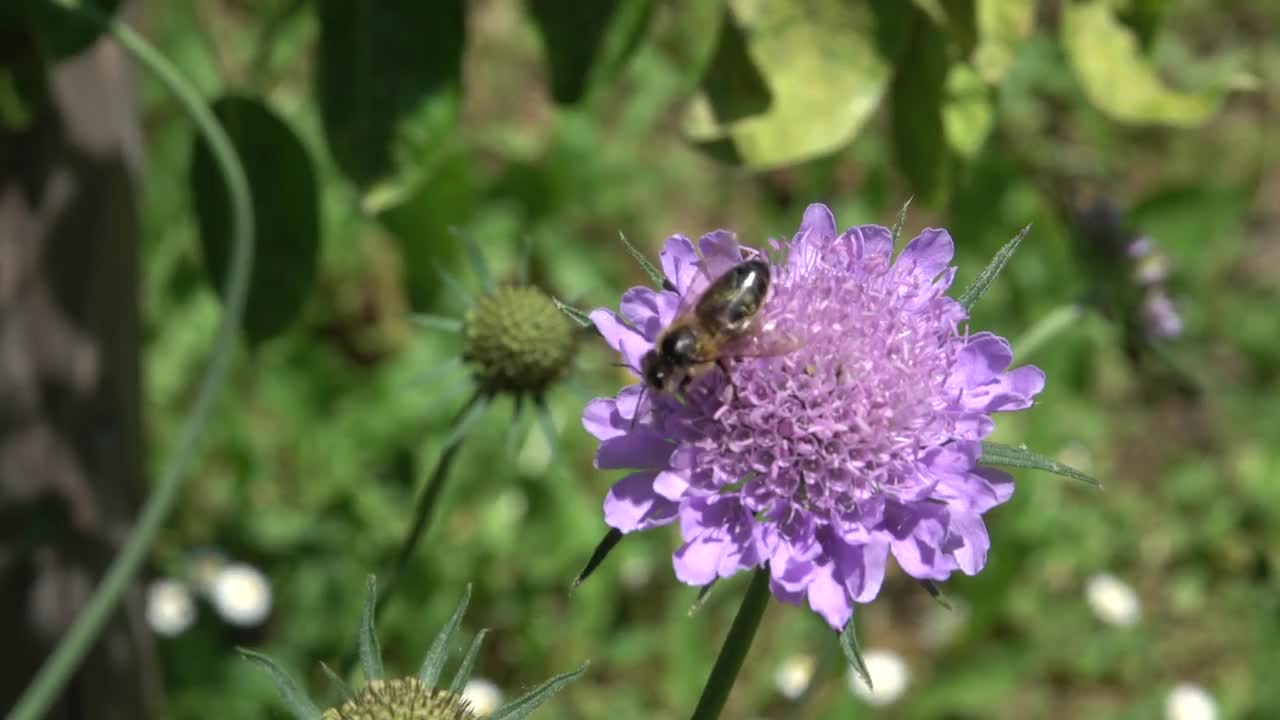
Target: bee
{"points": [[711, 330]]}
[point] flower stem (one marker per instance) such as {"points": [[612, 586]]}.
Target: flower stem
{"points": [[49, 681], [424, 511], [734, 651], [1047, 328]]}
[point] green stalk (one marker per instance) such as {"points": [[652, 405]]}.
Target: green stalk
{"points": [[1058, 320], [734, 651], [52, 677]]}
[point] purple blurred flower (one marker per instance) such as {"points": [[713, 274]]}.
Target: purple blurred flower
{"points": [[822, 462], [1159, 315]]}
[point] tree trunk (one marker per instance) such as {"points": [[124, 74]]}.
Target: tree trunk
{"points": [[71, 460]]}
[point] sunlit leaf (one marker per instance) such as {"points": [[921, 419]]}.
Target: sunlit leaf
{"points": [[387, 79], [690, 39], [967, 111], [1002, 26], [820, 64], [1117, 78], [285, 212], [733, 86]]}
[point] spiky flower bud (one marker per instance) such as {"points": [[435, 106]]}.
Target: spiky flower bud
{"points": [[517, 341], [404, 699]]}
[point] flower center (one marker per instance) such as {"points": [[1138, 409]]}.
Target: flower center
{"points": [[403, 699]]}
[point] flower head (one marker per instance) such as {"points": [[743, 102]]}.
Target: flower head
{"points": [[517, 341], [401, 699], [861, 441]]}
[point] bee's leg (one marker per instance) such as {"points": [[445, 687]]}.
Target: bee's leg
{"points": [[731, 390]]}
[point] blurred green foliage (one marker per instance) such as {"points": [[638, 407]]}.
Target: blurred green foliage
{"points": [[371, 128]]}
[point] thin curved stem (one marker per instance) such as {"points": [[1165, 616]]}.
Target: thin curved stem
{"points": [[49, 681], [1058, 320], [734, 651]]}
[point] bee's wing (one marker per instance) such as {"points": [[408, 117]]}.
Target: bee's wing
{"points": [[771, 343]]}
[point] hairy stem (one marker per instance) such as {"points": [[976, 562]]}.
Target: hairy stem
{"points": [[734, 651]]}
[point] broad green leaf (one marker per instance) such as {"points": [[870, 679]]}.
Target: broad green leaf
{"points": [[967, 111], [1002, 26], [587, 41], [367, 641], [1117, 78], [970, 295], [285, 210], [994, 453], [820, 64], [60, 32], [300, 706], [916, 99], [388, 73]]}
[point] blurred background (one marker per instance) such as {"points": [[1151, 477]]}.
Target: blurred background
{"points": [[384, 139]]}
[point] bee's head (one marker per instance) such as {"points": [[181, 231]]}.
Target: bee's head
{"points": [[659, 372]]}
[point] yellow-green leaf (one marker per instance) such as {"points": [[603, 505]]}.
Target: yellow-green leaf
{"points": [[1117, 78], [1002, 26], [967, 111], [824, 76]]}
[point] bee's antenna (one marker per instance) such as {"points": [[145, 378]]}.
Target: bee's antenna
{"points": [[643, 389]]}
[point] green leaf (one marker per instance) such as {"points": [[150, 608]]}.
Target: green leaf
{"points": [[433, 663], [388, 72], [1002, 26], [1117, 78], [820, 65], [285, 211], [587, 42], [603, 548], [733, 85], [24, 92], [994, 453], [901, 220], [520, 708], [919, 137], [967, 111], [299, 705], [853, 653], [691, 39], [975, 290], [468, 663], [367, 641], [59, 33]]}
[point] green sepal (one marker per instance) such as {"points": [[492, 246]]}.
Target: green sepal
{"points": [[433, 663], [520, 708], [299, 705], [902, 219], [367, 640], [344, 690], [853, 653], [583, 319], [655, 275], [468, 663], [994, 453]]}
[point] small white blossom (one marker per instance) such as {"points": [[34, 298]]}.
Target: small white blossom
{"points": [[242, 595], [485, 697], [794, 674], [171, 609], [1188, 701], [1113, 601], [890, 676]]}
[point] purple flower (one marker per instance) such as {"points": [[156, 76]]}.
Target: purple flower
{"points": [[822, 462]]}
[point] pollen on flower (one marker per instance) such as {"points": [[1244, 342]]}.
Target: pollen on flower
{"points": [[861, 442], [403, 699], [517, 341]]}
